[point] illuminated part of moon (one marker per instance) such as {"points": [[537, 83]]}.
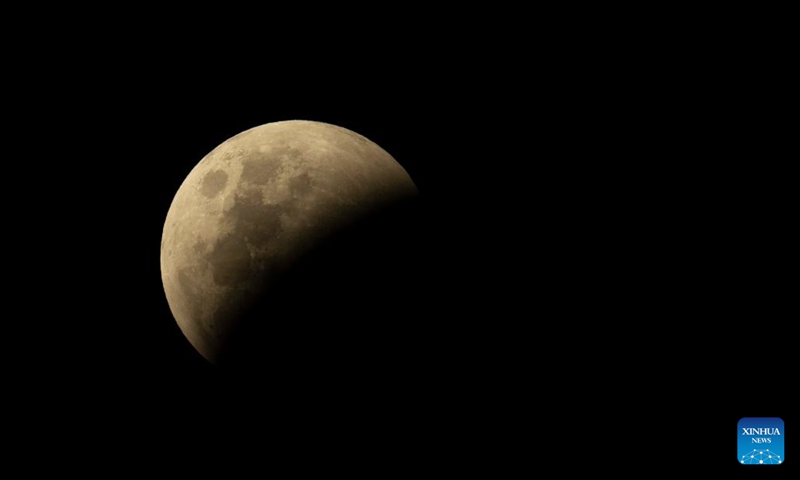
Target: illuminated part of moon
{"points": [[253, 206]]}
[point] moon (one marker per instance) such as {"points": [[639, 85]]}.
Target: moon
{"points": [[254, 207]]}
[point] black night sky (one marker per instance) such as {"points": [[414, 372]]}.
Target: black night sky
{"points": [[598, 229]]}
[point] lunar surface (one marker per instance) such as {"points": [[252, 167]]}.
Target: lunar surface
{"points": [[255, 206]]}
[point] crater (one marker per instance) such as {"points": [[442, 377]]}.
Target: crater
{"points": [[214, 182]]}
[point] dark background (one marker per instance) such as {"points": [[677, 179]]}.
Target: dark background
{"points": [[604, 239]]}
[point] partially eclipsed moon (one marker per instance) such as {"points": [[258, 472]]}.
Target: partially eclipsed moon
{"points": [[253, 206]]}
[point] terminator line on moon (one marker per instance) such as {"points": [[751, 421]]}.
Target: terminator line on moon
{"points": [[253, 206]]}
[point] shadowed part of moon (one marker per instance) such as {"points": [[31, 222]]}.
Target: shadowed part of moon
{"points": [[344, 310]]}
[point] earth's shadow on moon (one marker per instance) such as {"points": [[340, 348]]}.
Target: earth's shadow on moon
{"points": [[349, 312]]}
